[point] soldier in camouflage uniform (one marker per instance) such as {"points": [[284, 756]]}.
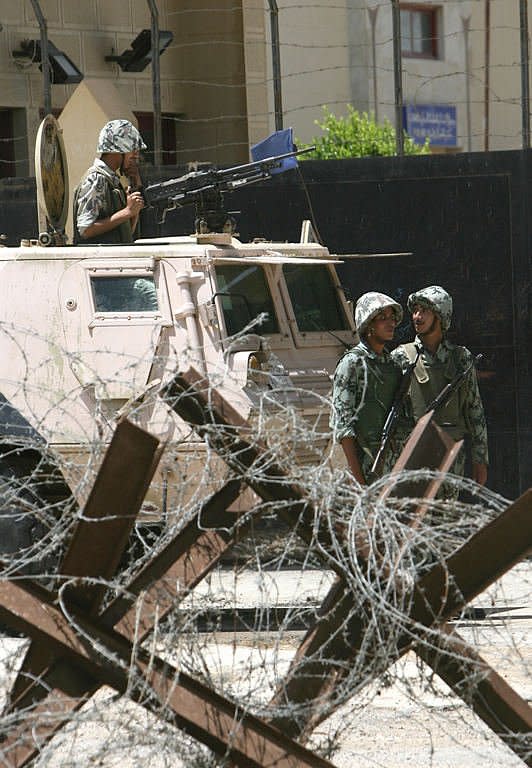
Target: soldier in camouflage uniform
{"points": [[438, 363], [365, 383], [103, 211]]}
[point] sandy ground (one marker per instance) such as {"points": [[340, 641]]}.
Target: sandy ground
{"points": [[401, 722]]}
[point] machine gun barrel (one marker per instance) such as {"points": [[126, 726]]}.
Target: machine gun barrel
{"points": [[272, 162], [190, 188]]}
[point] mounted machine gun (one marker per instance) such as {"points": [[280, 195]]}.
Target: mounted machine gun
{"points": [[205, 190]]}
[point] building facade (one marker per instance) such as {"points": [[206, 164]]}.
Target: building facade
{"points": [[203, 87], [461, 62]]}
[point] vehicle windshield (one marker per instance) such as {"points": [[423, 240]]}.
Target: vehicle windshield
{"points": [[124, 294], [314, 298], [244, 294]]}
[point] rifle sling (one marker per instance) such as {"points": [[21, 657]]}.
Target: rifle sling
{"points": [[420, 372]]}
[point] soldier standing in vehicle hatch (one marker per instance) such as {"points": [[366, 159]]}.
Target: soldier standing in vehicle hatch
{"points": [[365, 383], [438, 363], [103, 211]]}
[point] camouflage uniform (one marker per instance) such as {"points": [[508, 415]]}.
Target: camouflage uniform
{"points": [[464, 413], [365, 384], [100, 192], [99, 195]]}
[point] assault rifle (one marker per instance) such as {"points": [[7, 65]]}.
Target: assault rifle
{"points": [[449, 389], [205, 190], [394, 413], [440, 400]]}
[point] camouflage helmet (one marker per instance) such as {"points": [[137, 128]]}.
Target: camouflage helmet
{"points": [[369, 305], [119, 136], [437, 300]]}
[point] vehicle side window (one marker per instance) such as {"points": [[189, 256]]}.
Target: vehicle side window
{"points": [[124, 294], [244, 294], [314, 298]]}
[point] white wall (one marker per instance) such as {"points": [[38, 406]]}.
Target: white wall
{"points": [[326, 58], [315, 62]]}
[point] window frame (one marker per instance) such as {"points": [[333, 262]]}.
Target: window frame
{"points": [[320, 338], [434, 13], [169, 137], [97, 318], [277, 338], [290, 337], [226, 292]]}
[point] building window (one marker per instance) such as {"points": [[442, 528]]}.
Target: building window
{"points": [[13, 143], [420, 33], [169, 131]]}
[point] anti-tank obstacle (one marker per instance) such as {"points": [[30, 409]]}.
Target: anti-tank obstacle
{"points": [[61, 670]]}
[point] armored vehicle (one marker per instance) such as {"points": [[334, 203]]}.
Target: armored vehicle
{"points": [[90, 332]]}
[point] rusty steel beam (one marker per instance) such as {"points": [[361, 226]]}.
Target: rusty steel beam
{"points": [[322, 659], [443, 592], [101, 533], [202, 405], [166, 579], [106, 656], [481, 688], [217, 421], [428, 447]]}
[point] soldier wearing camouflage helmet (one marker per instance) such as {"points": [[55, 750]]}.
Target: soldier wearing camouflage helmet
{"points": [[365, 383], [103, 211], [438, 363]]}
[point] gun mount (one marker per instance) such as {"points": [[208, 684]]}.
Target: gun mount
{"points": [[206, 189]]}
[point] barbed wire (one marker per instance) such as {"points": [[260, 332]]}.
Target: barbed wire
{"points": [[239, 630]]}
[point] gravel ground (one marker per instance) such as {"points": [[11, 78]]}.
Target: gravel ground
{"points": [[399, 723]]}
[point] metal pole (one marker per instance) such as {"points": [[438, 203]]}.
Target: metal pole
{"points": [[525, 80], [156, 84], [397, 76], [276, 65], [487, 19], [45, 61], [373, 21], [466, 24]]}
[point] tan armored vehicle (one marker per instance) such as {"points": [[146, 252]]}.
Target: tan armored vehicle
{"points": [[89, 333]]}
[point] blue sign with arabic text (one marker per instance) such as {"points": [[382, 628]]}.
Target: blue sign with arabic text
{"points": [[435, 122]]}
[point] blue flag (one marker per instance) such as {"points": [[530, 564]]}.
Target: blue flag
{"points": [[278, 143]]}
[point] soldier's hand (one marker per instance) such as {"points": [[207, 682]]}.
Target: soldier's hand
{"points": [[135, 202]]}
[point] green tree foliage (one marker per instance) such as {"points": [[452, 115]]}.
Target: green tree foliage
{"points": [[357, 135]]}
